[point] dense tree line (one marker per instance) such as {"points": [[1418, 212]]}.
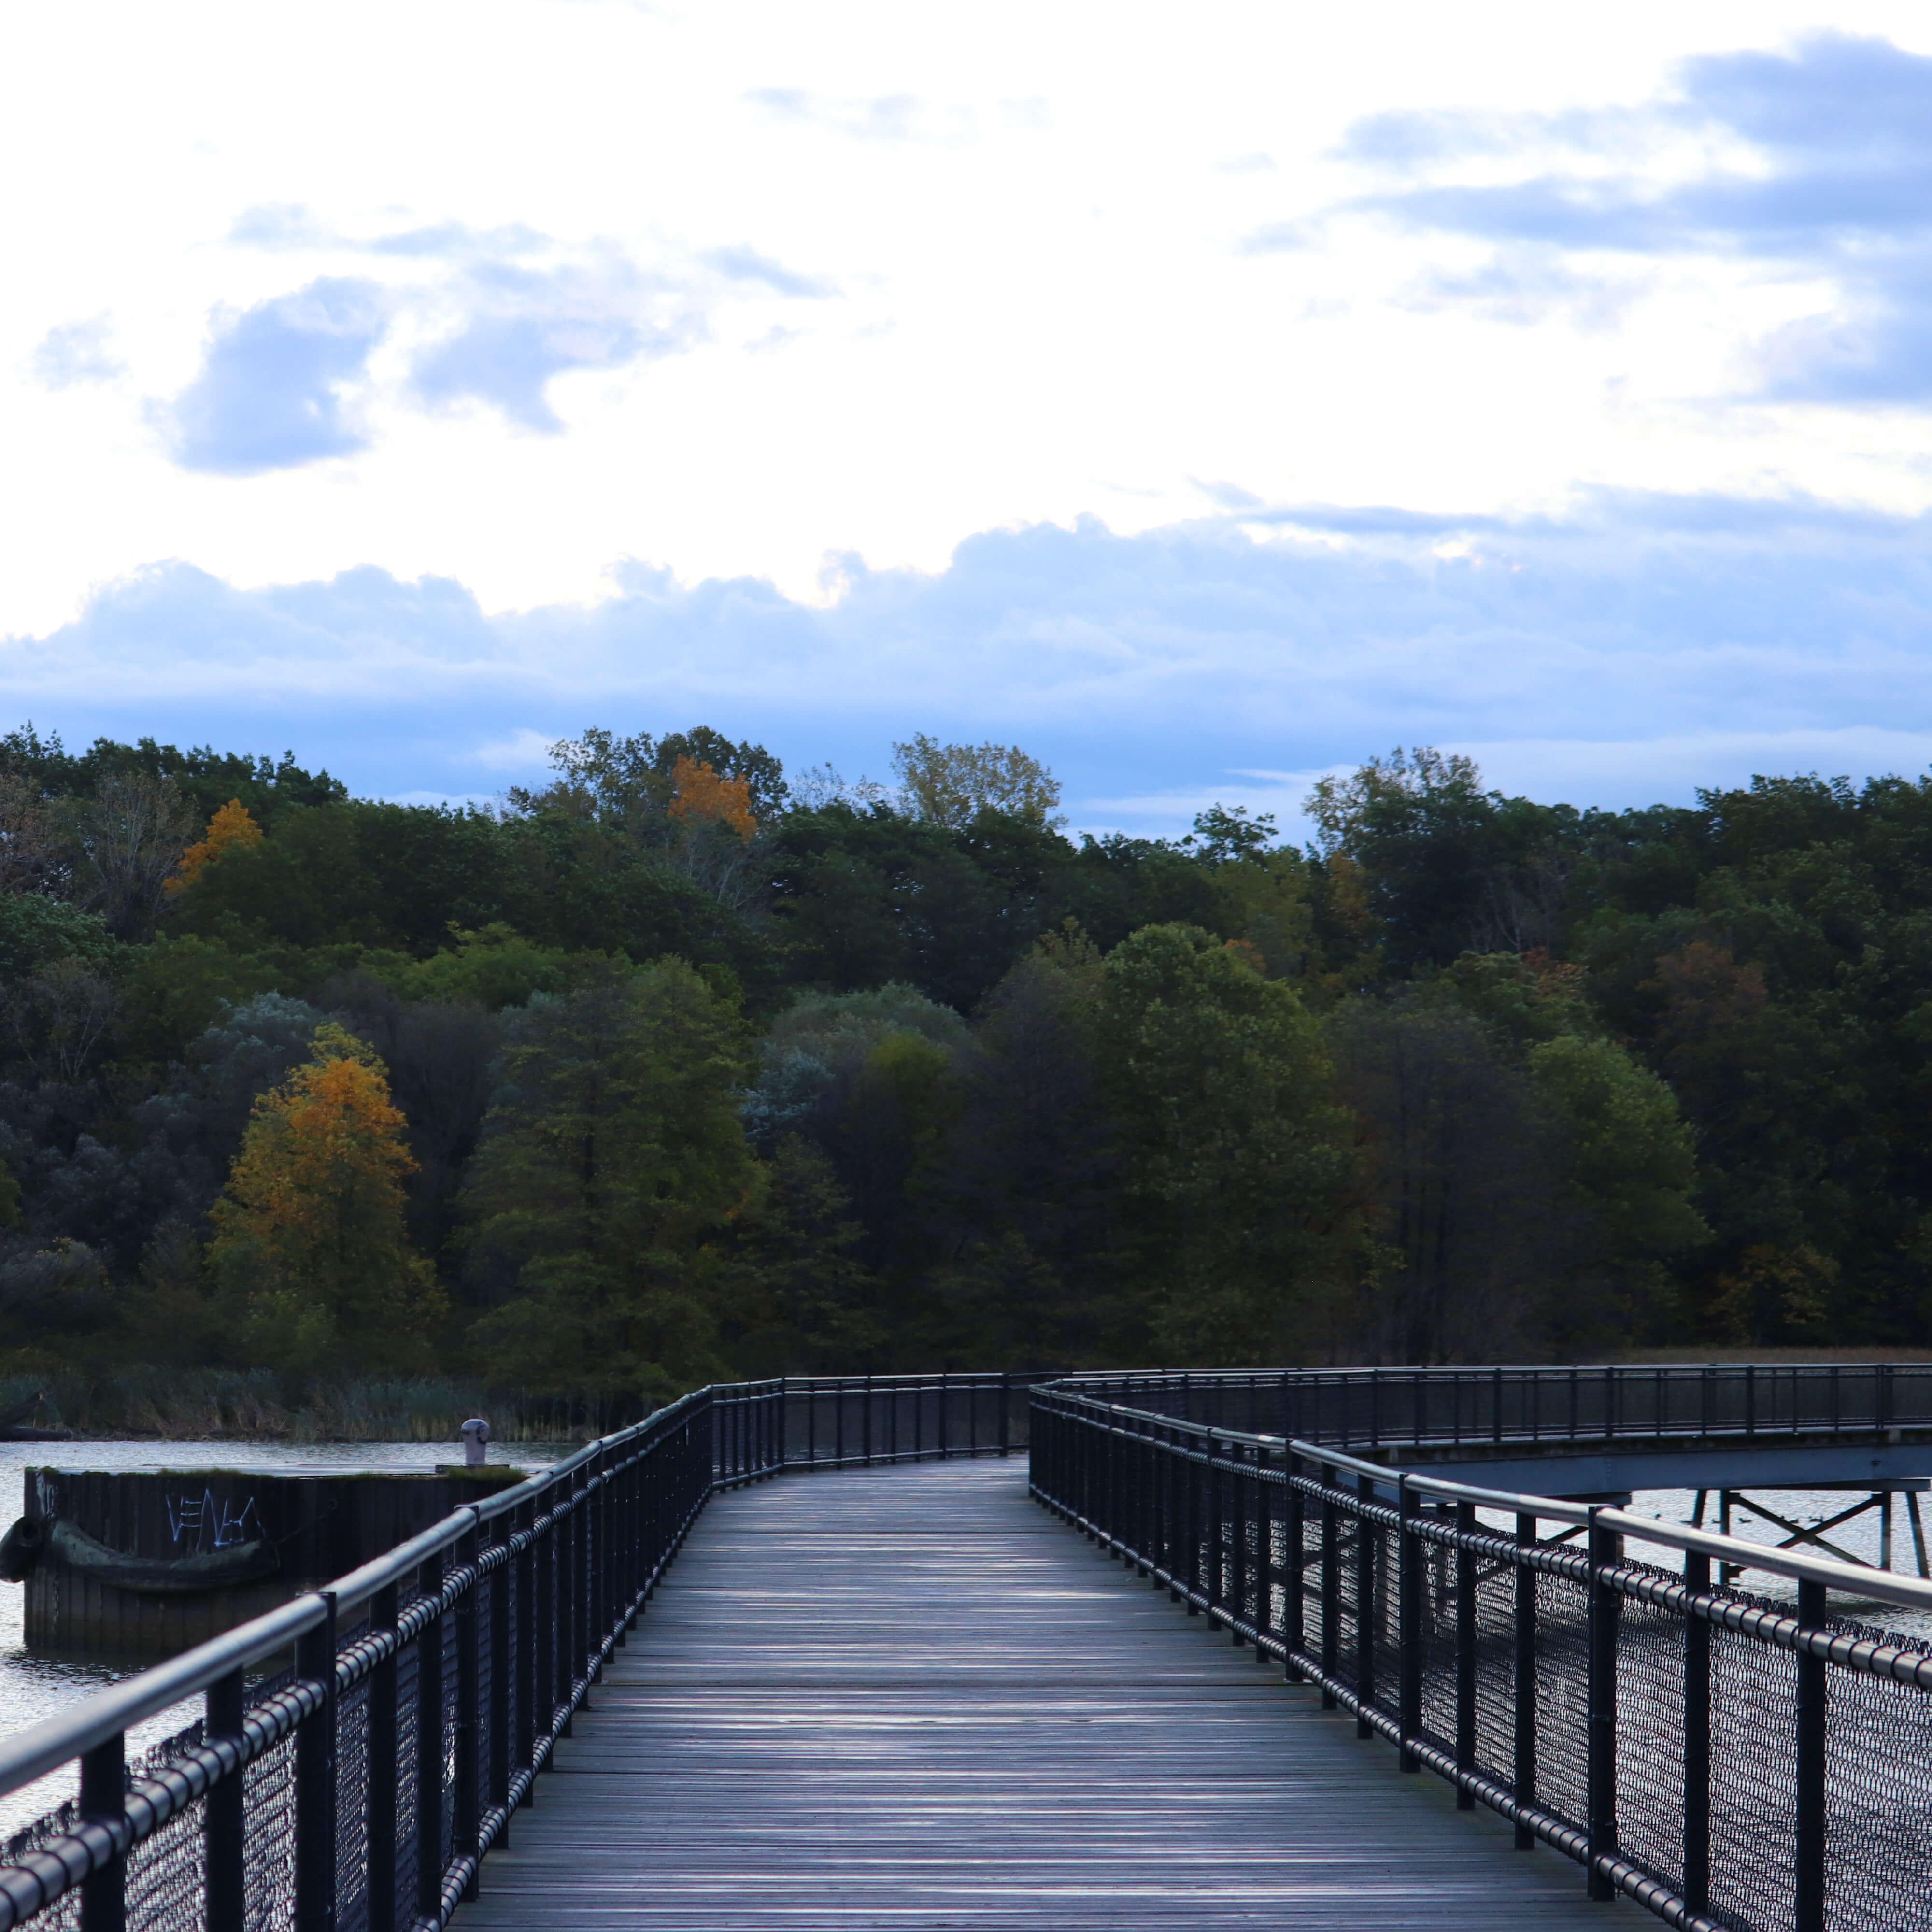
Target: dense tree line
{"points": [[675, 1067]]}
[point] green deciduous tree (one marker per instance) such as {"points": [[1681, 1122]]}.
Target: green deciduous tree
{"points": [[1240, 1168], [613, 1166], [1631, 1164], [952, 784]]}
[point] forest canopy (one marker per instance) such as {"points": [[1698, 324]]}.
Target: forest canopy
{"points": [[674, 1067]]}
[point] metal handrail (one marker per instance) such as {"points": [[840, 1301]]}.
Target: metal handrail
{"points": [[32, 1753], [1460, 1407], [579, 1549], [1264, 1534], [587, 1541], [1882, 1586]]}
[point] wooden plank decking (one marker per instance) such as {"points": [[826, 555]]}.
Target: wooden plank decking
{"points": [[910, 1698]]}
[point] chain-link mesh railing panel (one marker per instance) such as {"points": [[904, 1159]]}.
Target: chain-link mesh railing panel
{"points": [[1385, 1609], [1878, 1798], [1754, 1798], [507, 1581], [1439, 1645], [167, 1875], [1248, 1553], [1562, 1697], [1347, 1536], [1311, 1605], [268, 1841], [64, 1915], [352, 1823], [447, 1625], [486, 1763], [1495, 1670], [1650, 1738], [1273, 1614], [408, 1676]]}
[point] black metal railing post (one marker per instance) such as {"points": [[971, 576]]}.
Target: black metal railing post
{"points": [[1173, 1508], [1808, 1864], [1331, 1588], [596, 1569], [541, 1698], [1260, 1609], [225, 1825], [1466, 1607], [1411, 1583], [1696, 1738], [624, 1547], [1191, 1513], [315, 1782], [1294, 1593], [1367, 1610], [1606, 1603], [103, 1800], [569, 1598], [1143, 1526], [1523, 1752], [1216, 1551], [430, 1745]]}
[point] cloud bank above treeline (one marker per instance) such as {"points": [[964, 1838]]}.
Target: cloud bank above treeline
{"points": [[1633, 650]]}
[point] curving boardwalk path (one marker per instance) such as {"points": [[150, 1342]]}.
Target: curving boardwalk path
{"points": [[908, 1697]]}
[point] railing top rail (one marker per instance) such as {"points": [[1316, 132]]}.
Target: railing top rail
{"points": [[57, 1740], [1471, 1371], [957, 1377], [67, 1735], [1876, 1585], [1882, 1586]]}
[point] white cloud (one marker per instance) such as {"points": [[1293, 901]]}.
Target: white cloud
{"points": [[1633, 651], [777, 283], [521, 752]]}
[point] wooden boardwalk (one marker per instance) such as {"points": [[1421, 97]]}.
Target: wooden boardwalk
{"points": [[908, 1697]]}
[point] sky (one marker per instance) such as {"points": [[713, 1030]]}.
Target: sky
{"points": [[1201, 397]]}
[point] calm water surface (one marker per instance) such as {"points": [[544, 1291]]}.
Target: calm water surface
{"points": [[33, 1685]]}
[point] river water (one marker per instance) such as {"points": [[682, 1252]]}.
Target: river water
{"points": [[34, 1685]]}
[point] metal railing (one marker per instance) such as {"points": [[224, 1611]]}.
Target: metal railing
{"points": [[1417, 1407], [358, 1787], [1732, 1763]]}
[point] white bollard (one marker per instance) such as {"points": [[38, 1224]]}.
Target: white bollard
{"points": [[475, 1442]]}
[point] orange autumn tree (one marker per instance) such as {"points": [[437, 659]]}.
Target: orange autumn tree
{"points": [[310, 1256], [701, 795], [232, 826]]}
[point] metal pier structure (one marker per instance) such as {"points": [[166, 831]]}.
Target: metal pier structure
{"points": [[828, 1653]]}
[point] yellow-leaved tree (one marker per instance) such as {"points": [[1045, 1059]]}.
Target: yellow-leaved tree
{"points": [[233, 825], [702, 795], [311, 1260]]}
